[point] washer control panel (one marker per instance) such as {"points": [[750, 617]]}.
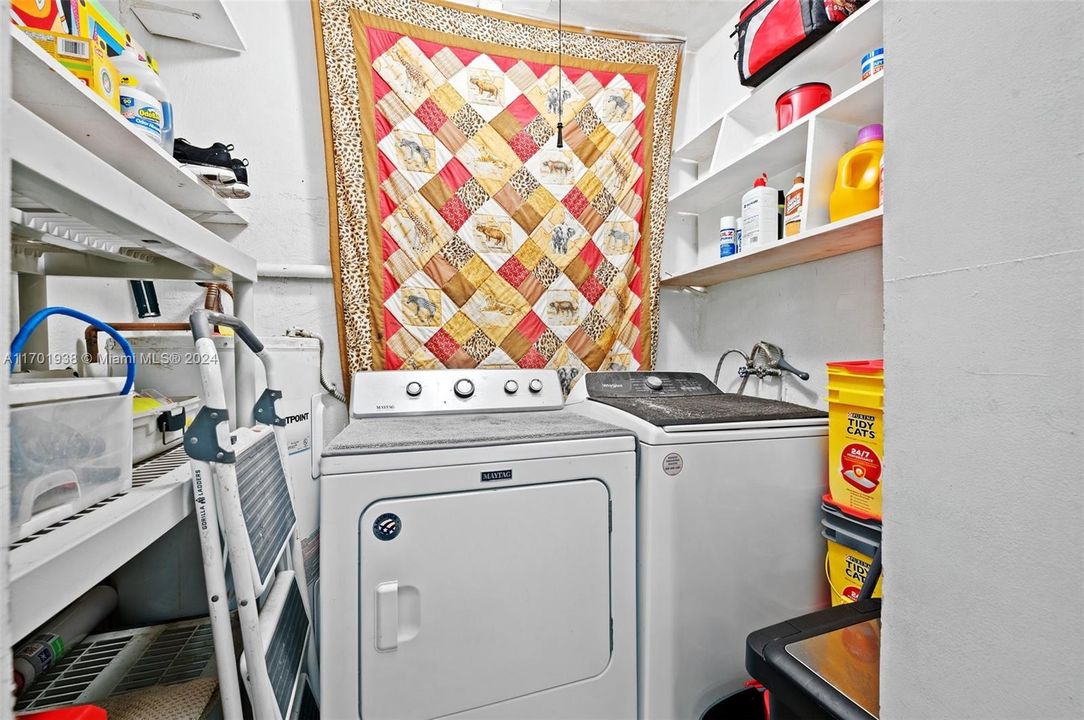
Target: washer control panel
{"points": [[647, 384], [409, 392]]}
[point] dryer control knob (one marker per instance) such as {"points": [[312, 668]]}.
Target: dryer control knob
{"points": [[653, 382], [414, 389], [535, 386], [511, 387], [464, 388]]}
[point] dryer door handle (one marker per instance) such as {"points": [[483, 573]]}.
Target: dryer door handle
{"points": [[387, 616]]}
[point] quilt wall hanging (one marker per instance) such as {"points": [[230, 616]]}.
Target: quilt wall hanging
{"points": [[462, 236]]}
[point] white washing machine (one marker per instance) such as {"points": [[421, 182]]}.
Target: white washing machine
{"points": [[478, 552], [728, 507]]}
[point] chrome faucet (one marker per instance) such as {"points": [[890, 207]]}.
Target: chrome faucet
{"points": [[771, 364]]}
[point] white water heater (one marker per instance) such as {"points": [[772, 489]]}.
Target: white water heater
{"points": [[165, 363]]}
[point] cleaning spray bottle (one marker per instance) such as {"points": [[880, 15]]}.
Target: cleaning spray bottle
{"points": [[759, 215]]}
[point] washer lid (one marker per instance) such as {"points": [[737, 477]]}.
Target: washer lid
{"points": [[364, 436], [669, 399], [718, 409]]}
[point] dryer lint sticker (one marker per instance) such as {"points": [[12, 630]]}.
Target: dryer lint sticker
{"points": [[672, 464]]}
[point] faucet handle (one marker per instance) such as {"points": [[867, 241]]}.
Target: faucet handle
{"points": [[784, 365]]}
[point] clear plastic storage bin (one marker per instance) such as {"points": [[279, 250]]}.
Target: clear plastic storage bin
{"points": [[68, 450]]}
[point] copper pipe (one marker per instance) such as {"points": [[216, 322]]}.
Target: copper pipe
{"points": [[213, 299], [91, 333]]}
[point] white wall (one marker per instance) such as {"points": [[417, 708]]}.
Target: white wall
{"points": [[818, 312], [266, 102], [984, 299]]}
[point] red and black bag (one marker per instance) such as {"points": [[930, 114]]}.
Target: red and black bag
{"points": [[772, 32]]}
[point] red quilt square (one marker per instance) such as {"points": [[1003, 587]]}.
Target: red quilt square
{"points": [[431, 115], [522, 110], [455, 213], [592, 289], [514, 272], [442, 345], [533, 359], [523, 145], [591, 255], [531, 327], [454, 173], [575, 201], [392, 361]]}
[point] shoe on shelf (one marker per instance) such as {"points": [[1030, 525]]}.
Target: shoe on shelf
{"points": [[212, 174], [218, 155], [239, 188], [239, 167]]}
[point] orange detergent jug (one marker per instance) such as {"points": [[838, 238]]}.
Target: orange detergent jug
{"points": [[858, 178]]}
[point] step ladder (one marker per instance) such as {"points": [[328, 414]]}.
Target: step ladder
{"points": [[244, 498]]}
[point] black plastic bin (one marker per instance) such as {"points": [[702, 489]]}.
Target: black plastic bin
{"points": [[746, 704]]}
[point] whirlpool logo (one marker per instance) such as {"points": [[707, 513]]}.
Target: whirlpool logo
{"points": [[496, 475]]}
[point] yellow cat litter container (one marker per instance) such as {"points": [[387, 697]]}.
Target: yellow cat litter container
{"points": [[852, 543], [856, 434]]}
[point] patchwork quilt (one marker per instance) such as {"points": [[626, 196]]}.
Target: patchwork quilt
{"points": [[485, 244]]}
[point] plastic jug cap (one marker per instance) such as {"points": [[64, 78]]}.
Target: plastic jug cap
{"points": [[870, 133], [761, 181], [798, 179]]}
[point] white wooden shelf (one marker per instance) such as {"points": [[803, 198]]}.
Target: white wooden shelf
{"points": [[838, 238], [52, 568], [46, 88], [206, 22], [785, 149], [835, 58], [54, 176]]}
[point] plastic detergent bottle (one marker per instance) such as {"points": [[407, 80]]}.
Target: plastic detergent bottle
{"points": [[157, 88], [137, 101], [759, 215], [728, 240], [792, 211], [858, 177]]}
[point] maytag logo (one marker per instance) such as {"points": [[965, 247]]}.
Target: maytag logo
{"points": [[385, 407], [496, 475]]}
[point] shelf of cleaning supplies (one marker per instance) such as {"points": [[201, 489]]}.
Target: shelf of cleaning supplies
{"points": [[836, 59], [205, 22], [69, 196], [838, 238], [836, 56], [783, 150], [50, 569], [40, 84]]}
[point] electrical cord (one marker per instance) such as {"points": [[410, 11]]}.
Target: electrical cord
{"points": [[37, 318], [328, 387]]}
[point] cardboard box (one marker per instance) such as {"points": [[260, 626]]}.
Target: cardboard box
{"points": [[86, 59], [40, 14], [90, 19]]}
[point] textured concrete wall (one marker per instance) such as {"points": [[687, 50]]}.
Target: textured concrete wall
{"points": [[984, 295]]}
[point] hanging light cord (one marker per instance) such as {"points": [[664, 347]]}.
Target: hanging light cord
{"points": [[560, 74]]}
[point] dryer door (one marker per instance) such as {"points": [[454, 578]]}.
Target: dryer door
{"points": [[472, 598]]}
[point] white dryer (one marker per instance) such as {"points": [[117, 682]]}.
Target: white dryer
{"points": [[728, 505], [477, 554]]}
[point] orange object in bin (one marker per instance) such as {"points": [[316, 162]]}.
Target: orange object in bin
{"points": [[856, 435]]}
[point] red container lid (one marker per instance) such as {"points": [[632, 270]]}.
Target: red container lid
{"points": [[796, 88], [81, 712], [847, 510], [860, 366]]}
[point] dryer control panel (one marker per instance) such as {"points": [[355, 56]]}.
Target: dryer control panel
{"points": [[647, 384], [409, 392]]}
